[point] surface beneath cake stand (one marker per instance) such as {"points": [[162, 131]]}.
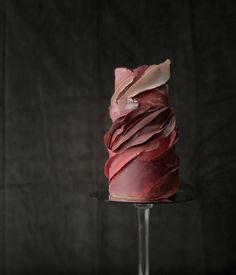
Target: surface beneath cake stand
{"points": [[143, 221]]}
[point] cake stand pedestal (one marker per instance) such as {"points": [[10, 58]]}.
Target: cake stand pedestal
{"points": [[143, 222], [143, 237]]}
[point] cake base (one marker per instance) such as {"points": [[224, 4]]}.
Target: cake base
{"points": [[120, 198], [181, 196]]}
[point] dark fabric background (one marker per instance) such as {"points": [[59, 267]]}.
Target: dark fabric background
{"points": [[56, 74]]}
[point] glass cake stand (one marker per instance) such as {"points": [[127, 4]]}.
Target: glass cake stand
{"points": [[143, 210]]}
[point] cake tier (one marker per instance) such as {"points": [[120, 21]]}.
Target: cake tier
{"points": [[142, 164]]}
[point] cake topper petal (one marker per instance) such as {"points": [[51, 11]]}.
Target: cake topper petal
{"points": [[123, 77], [153, 77]]}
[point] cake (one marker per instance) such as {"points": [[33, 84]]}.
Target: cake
{"points": [[142, 166]]}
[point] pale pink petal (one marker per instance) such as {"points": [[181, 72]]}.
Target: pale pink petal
{"points": [[123, 77], [153, 77]]}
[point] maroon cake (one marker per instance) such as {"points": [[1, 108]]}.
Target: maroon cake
{"points": [[142, 165]]}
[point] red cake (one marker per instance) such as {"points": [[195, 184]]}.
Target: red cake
{"points": [[142, 164]]}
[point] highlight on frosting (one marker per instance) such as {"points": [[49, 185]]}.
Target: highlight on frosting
{"points": [[142, 164]]}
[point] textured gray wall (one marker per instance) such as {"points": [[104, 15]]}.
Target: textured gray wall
{"points": [[56, 74]]}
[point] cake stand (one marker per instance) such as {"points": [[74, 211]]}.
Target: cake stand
{"points": [[143, 210]]}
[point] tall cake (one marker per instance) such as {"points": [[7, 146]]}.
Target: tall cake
{"points": [[142, 165]]}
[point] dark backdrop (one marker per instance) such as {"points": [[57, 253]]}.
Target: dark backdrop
{"points": [[56, 74]]}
